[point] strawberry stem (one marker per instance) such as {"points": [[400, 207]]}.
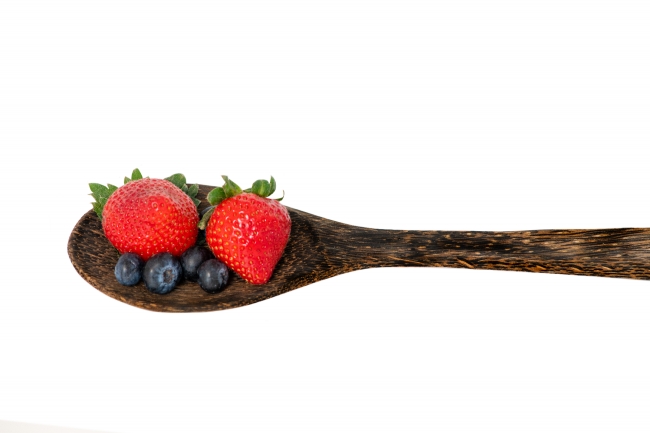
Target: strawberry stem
{"points": [[216, 196]]}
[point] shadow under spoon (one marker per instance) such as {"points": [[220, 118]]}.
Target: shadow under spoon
{"points": [[319, 248]]}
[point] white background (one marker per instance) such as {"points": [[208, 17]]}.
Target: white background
{"points": [[469, 115]]}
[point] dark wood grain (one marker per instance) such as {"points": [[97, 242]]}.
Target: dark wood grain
{"points": [[319, 248]]}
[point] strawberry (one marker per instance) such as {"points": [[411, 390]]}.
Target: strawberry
{"points": [[148, 216], [246, 230]]}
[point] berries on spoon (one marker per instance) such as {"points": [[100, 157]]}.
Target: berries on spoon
{"points": [[213, 276], [128, 269], [162, 273], [246, 230], [148, 216], [192, 259]]}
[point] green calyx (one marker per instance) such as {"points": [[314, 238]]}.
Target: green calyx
{"points": [[101, 193], [262, 188], [136, 175], [178, 179]]}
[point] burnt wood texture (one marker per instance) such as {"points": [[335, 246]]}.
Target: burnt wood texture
{"points": [[319, 248]]}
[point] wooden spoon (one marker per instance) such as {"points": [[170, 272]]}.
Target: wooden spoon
{"points": [[319, 248]]}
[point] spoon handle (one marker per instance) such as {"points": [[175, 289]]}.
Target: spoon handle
{"points": [[618, 253]]}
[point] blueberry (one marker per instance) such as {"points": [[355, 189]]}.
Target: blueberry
{"points": [[162, 272], [128, 269], [192, 259], [213, 276]]}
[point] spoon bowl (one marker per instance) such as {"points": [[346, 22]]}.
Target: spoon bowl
{"points": [[302, 263], [319, 248]]}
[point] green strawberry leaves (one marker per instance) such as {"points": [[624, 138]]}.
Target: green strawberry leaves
{"points": [[193, 190], [230, 188], [272, 184], [136, 175], [101, 193], [216, 196], [263, 188], [179, 180], [220, 193]]}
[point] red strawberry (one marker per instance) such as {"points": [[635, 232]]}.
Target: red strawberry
{"points": [[246, 230], [148, 216]]}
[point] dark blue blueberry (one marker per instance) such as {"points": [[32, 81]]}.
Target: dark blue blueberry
{"points": [[162, 272], [192, 259], [128, 269], [213, 276]]}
